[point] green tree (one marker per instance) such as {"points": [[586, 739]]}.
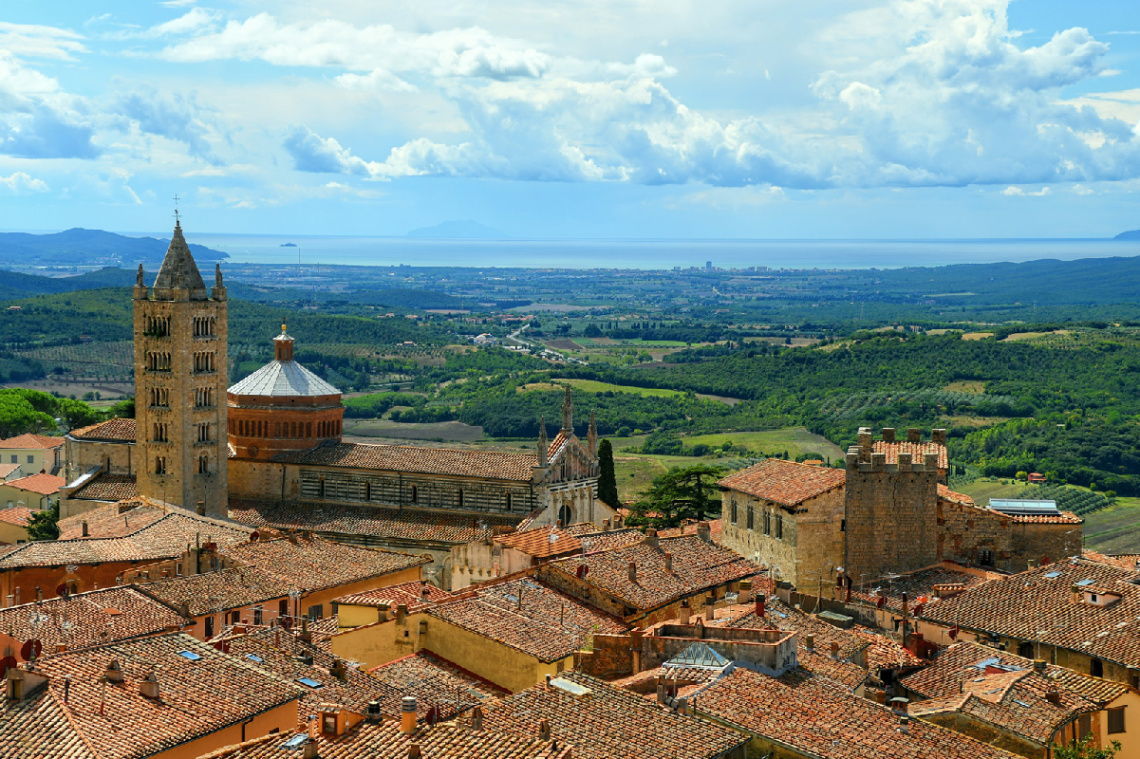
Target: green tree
{"points": [[607, 480], [1085, 750], [77, 413], [678, 494], [124, 408], [44, 525]]}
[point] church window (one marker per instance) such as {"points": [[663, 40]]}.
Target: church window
{"points": [[368, 491], [985, 557], [509, 504], [160, 431], [461, 498], [203, 464], [308, 429], [204, 432], [780, 526], [204, 397], [415, 494], [160, 465]]}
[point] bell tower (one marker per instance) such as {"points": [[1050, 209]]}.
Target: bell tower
{"points": [[180, 384]]}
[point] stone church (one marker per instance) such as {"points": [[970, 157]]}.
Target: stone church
{"points": [[272, 445]]}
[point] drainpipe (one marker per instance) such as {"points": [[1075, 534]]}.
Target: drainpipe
{"points": [[243, 728]]}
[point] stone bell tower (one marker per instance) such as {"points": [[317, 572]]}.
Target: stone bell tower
{"points": [[180, 384]]}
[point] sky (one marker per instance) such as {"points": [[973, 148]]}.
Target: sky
{"points": [[654, 119]]}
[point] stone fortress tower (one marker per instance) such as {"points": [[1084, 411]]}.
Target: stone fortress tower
{"points": [[180, 384]]}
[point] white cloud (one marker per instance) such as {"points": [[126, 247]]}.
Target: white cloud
{"points": [[35, 41], [195, 20], [1020, 193], [19, 183], [37, 119], [177, 3]]}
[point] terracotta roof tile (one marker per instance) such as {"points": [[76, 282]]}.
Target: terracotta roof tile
{"points": [[696, 566], [813, 716], [1039, 605], [118, 430], [918, 585], [917, 451], [609, 723], [7, 469], [31, 442], [409, 593], [17, 515], [384, 740], [42, 484], [784, 482], [374, 521], [538, 543], [435, 681], [961, 499], [317, 564], [611, 539], [89, 619], [38, 726], [716, 528], [185, 711], [495, 465], [225, 589], [527, 616], [112, 521], [107, 487]]}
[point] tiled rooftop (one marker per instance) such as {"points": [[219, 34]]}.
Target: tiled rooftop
{"points": [[89, 619], [784, 482], [196, 697], [31, 441], [283, 379], [690, 528], [7, 469], [611, 539], [373, 521], [609, 722], [964, 662], [314, 564], [409, 593], [113, 520], [107, 487], [538, 543], [815, 717], [38, 727], [117, 430], [164, 539], [917, 451], [17, 515], [435, 681], [1039, 605], [225, 589], [1064, 517], [529, 617], [384, 740], [495, 465], [696, 566], [41, 483], [918, 585]]}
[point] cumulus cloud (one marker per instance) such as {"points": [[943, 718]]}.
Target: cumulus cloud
{"points": [[193, 21], [37, 119], [174, 116], [19, 183], [36, 41], [1018, 192]]}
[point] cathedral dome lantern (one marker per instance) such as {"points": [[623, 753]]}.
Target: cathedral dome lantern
{"points": [[282, 407]]}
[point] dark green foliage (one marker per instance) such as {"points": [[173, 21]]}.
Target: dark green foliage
{"points": [[678, 494], [124, 408], [375, 405], [607, 481], [26, 411], [44, 525], [1086, 749]]}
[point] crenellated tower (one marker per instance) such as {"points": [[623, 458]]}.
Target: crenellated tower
{"points": [[180, 384]]}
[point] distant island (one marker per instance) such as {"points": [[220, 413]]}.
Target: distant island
{"points": [[1131, 235], [90, 247], [459, 230], [288, 245]]}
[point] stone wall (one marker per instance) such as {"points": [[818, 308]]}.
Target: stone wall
{"points": [[82, 455], [972, 535], [614, 656]]}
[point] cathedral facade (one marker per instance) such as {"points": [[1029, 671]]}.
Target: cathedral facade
{"points": [[275, 437]]}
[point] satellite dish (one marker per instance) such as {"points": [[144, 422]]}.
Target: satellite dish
{"points": [[61, 590], [7, 663], [254, 536], [286, 622], [31, 650]]}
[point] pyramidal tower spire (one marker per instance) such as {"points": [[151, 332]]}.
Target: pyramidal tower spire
{"points": [[178, 271], [568, 412], [543, 443]]}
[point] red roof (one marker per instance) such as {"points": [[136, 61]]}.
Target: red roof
{"points": [[44, 484], [30, 441], [784, 482], [538, 543], [917, 451], [17, 515], [118, 429]]}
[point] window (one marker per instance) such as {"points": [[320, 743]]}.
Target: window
{"points": [[508, 502], [31, 459], [189, 655], [15, 458], [985, 557], [1084, 726], [235, 617], [843, 525], [461, 498], [283, 608], [160, 465], [780, 526], [160, 431], [203, 326], [203, 432], [415, 494], [732, 506], [209, 627], [258, 615], [204, 361], [1025, 650], [751, 520], [368, 491], [316, 611], [1116, 720], [1096, 668], [203, 464], [204, 397], [767, 522]]}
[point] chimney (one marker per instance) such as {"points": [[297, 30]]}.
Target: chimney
{"points": [[114, 672], [1040, 665], [408, 714], [401, 613], [904, 725], [476, 718], [633, 572], [761, 600], [685, 612], [744, 592], [544, 730], [149, 687], [834, 650], [201, 508], [425, 594], [1031, 564], [651, 538], [710, 608], [809, 642], [1053, 696], [372, 713], [704, 532], [668, 562], [414, 751], [938, 436], [605, 525], [913, 435], [85, 533], [382, 612], [888, 434], [311, 750]]}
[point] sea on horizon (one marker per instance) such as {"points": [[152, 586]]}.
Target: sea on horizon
{"points": [[649, 254]]}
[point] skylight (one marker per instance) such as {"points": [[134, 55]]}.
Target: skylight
{"points": [[1083, 583], [296, 741], [255, 658], [309, 682], [189, 655], [1052, 575]]}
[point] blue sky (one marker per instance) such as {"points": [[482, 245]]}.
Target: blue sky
{"points": [[592, 118]]}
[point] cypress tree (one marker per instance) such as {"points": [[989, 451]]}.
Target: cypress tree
{"points": [[607, 480]]}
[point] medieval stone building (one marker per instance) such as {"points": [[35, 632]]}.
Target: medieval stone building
{"points": [[274, 445]]}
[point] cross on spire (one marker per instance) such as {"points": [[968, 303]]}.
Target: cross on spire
{"points": [[177, 218]]}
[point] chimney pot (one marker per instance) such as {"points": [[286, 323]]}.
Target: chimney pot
{"points": [[704, 532], [311, 750], [372, 714], [1053, 696], [761, 601], [85, 533], [710, 608], [913, 435], [408, 714], [651, 538], [904, 725], [668, 562], [401, 613], [1040, 665], [114, 673], [544, 730], [632, 572], [414, 751], [382, 612], [476, 718], [888, 434], [149, 686], [809, 641]]}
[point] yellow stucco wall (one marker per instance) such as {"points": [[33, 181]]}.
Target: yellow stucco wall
{"points": [[11, 533], [325, 597], [283, 718], [13, 496]]}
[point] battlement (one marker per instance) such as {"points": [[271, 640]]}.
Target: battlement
{"points": [[890, 454]]}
